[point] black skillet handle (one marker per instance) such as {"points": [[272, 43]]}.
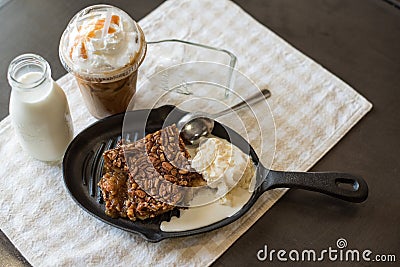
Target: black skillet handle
{"points": [[339, 185]]}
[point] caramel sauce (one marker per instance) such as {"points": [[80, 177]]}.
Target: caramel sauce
{"points": [[83, 51]]}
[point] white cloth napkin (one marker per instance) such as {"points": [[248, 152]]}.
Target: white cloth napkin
{"points": [[312, 110]]}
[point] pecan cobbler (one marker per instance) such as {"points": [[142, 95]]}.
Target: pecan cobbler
{"points": [[142, 179]]}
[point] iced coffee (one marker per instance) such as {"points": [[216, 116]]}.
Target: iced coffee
{"points": [[103, 48]]}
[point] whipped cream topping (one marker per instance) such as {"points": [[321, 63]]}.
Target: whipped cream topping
{"points": [[102, 41], [224, 167]]}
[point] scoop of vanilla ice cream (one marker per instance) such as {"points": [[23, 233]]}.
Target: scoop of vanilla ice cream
{"points": [[224, 167]]}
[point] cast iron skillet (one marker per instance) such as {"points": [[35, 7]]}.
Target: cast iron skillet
{"points": [[83, 164]]}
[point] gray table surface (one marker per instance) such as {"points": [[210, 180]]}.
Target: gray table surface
{"points": [[358, 40]]}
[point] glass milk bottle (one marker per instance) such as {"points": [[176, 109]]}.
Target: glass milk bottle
{"points": [[38, 108]]}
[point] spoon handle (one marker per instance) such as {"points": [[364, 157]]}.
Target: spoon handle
{"points": [[249, 101]]}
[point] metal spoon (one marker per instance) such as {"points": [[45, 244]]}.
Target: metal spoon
{"points": [[194, 125]]}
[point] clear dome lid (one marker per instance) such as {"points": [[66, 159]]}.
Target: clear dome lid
{"points": [[102, 42]]}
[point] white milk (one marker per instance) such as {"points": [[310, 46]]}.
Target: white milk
{"points": [[40, 114]]}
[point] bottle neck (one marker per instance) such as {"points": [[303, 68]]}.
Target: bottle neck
{"points": [[29, 76]]}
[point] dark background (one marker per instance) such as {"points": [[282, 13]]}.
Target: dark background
{"points": [[357, 40]]}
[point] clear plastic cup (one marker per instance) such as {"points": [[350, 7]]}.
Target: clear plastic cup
{"points": [[103, 48]]}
